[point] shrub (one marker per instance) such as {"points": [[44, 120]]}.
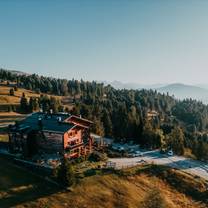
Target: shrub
{"points": [[65, 173], [90, 172], [97, 156], [154, 199], [113, 154], [79, 159]]}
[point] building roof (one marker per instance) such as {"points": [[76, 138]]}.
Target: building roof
{"points": [[79, 121], [46, 122]]}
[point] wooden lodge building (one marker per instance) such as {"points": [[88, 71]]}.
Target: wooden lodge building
{"points": [[51, 133]]}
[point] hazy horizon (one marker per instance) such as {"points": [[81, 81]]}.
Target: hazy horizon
{"points": [[144, 42]]}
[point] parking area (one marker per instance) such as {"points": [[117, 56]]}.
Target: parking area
{"points": [[126, 147], [185, 164]]}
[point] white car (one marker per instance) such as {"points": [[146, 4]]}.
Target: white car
{"points": [[137, 154], [120, 149], [170, 153]]}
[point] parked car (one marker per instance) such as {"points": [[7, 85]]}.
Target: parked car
{"points": [[170, 153], [162, 151], [137, 154], [131, 150], [121, 149]]}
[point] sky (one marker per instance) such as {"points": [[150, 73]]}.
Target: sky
{"points": [[140, 41]]}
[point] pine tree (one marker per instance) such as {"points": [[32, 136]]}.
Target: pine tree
{"points": [[107, 124], [33, 104], [11, 91], [15, 88], [176, 140], [23, 103], [65, 173]]}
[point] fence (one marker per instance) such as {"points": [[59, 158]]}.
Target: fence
{"points": [[118, 166]]}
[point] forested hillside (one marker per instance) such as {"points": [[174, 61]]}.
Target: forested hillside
{"points": [[149, 118]]}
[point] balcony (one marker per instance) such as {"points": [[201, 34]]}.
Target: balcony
{"points": [[72, 146]]}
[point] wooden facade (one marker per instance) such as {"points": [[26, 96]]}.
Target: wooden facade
{"points": [[55, 133]]}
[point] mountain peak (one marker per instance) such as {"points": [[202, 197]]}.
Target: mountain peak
{"points": [[183, 91]]}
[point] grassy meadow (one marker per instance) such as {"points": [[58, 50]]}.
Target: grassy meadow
{"points": [[20, 188], [6, 99]]}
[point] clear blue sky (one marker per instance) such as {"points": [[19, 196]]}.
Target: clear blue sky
{"points": [[143, 41]]}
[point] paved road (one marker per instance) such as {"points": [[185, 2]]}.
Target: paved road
{"points": [[190, 166]]}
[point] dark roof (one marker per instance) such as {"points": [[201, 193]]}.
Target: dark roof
{"points": [[48, 122]]}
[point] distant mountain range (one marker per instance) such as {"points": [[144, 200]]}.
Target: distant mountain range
{"points": [[16, 72], [182, 91], [178, 90]]}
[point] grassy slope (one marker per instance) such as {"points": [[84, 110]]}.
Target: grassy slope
{"points": [[21, 189], [17, 185], [5, 98], [113, 191], [7, 118]]}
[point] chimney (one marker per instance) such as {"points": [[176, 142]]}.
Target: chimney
{"points": [[59, 120]]}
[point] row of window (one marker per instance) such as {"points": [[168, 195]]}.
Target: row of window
{"points": [[72, 133]]}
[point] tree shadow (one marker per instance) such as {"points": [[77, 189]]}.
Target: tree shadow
{"points": [[18, 185], [154, 155]]}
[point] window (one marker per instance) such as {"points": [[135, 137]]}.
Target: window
{"points": [[70, 134]]}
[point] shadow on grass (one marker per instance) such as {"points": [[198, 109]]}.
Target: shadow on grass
{"points": [[187, 164], [18, 186]]}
